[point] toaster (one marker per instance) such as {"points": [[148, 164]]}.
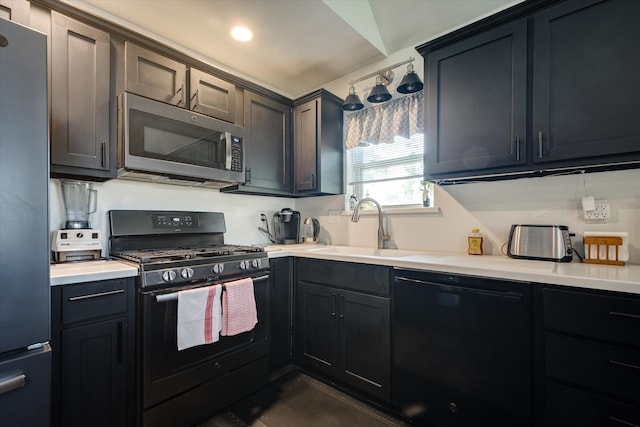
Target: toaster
{"points": [[541, 242]]}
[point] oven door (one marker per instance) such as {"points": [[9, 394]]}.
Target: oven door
{"points": [[166, 372]]}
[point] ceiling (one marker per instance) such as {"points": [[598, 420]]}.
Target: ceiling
{"points": [[297, 45]]}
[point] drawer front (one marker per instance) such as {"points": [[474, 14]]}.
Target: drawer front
{"points": [[568, 407], [606, 317], [372, 279], [94, 300], [606, 367]]}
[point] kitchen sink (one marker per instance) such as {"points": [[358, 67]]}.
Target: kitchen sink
{"points": [[361, 251]]}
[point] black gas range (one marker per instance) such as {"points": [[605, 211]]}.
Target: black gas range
{"points": [[173, 248], [178, 251]]}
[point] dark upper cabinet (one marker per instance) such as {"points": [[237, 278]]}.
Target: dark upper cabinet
{"points": [[476, 103], [15, 10], [80, 115], [155, 76], [535, 89], [318, 149], [212, 96], [267, 147], [586, 94]]}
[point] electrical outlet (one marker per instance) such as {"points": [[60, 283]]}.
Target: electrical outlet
{"points": [[600, 214]]}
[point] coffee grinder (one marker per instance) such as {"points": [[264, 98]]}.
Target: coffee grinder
{"points": [[77, 241]]}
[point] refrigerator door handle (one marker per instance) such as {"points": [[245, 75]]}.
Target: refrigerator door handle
{"points": [[13, 383]]}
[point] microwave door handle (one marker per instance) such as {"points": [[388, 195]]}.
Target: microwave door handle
{"points": [[227, 143]]}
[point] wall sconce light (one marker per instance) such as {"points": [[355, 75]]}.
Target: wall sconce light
{"points": [[352, 102], [379, 93], [410, 83]]}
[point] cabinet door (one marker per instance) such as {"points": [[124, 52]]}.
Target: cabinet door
{"points": [[306, 146], [316, 327], [93, 375], [586, 95], [280, 333], [267, 144], [80, 57], [155, 76], [212, 96], [15, 10], [476, 108], [364, 341]]}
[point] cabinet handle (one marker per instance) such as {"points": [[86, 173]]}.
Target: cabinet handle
{"points": [[341, 296], [540, 144], [100, 294], [624, 365], [517, 148], [247, 176], [623, 422], [179, 91], [617, 313], [194, 106], [119, 345], [13, 383], [333, 306], [103, 154], [313, 180]]}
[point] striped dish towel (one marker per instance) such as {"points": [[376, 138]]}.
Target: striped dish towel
{"points": [[199, 316], [239, 313]]}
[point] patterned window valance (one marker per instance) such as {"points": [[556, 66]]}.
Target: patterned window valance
{"points": [[375, 125]]}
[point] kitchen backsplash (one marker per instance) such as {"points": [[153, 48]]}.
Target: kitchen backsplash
{"points": [[491, 206]]}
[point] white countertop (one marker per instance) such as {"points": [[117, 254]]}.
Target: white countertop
{"points": [[89, 271], [575, 274]]}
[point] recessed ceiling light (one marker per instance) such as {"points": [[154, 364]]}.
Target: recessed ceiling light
{"points": [[241, 33]]}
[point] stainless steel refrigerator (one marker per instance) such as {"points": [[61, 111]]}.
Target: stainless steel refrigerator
{"points": [[25, 356]]}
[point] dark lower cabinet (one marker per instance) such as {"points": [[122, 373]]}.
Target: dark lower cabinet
{"points": [[93, 350], [342, 329], [461, 350], [591, 351], [280, 313]]}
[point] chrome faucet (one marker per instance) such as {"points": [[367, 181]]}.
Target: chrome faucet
{"points": [[356, 217]]}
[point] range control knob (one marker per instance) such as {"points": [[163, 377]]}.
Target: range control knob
{"points": [[187, 273], [218, 268], [244, 265], [169, 275], [256, 263]]}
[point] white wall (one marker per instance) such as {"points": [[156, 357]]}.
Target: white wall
{"points": [[493, 207], [242, 213]]}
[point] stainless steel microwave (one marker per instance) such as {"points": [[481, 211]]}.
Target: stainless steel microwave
{"points": [[163, 143]]}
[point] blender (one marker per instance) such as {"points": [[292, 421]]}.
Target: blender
{"points": [[77, 241]]}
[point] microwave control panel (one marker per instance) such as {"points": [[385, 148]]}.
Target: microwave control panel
{"points": [[236, 154]]}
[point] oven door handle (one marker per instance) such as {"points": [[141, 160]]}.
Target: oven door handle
{"points": [[174, 295]]}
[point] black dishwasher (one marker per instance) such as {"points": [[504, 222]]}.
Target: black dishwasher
{"points": [[462, 350]]}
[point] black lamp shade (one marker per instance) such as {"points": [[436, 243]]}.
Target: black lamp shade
{"points": [[379, 93], [352, 103], [410, 83]]}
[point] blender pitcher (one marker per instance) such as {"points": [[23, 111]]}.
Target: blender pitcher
{"points": [[80, 200]]}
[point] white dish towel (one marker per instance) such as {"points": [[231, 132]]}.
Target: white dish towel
{"points": [[199, 316]]}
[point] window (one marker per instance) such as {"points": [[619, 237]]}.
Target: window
{"points": [[385, 146]]}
